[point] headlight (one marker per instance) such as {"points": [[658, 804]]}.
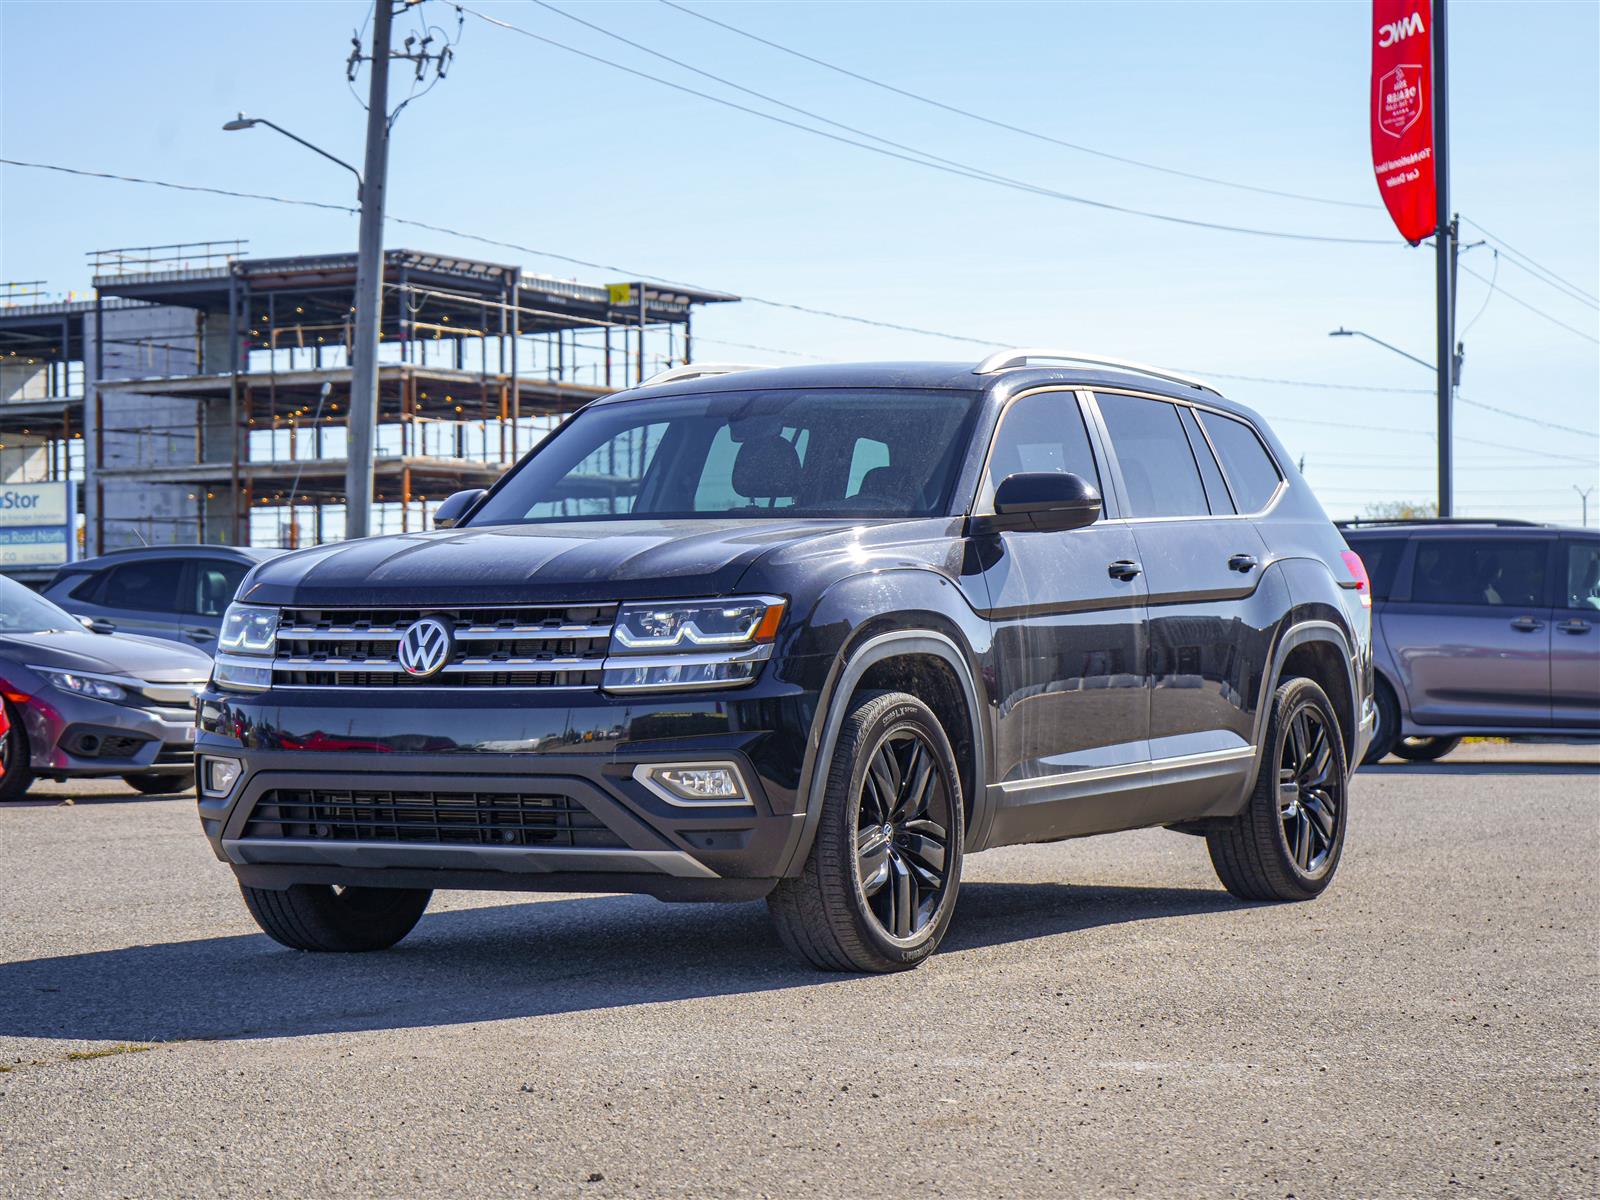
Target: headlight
{"points": [[691, 644], [248, 629], [84, 685], [696, 625]]}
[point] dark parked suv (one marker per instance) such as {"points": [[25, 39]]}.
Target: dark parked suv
{"points": [[810, 634], [1481, 627]]}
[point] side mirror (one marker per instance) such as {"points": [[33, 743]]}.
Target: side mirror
{"points": [[97, 625], [1041, 501], [450, 511]]}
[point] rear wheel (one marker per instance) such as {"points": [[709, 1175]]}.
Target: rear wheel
{"points": [[316, 916], [153, 783], [16, 772], [879, 886], [1424, 749], [1286, 844], [1386, 731]]}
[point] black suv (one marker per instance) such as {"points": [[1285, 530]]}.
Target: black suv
{"points": [[810, 634]]}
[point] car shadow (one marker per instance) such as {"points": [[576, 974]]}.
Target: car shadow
{"points": [[1482, 768], [496, 963]]}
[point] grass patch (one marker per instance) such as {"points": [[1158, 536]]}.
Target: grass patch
{"points": [[106, 1052]]}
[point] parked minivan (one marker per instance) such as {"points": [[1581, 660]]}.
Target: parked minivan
{"points": [[813, 634], [1481, 627]]}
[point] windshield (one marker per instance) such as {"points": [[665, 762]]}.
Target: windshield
{"points": [[835, 452], [23, 610]]}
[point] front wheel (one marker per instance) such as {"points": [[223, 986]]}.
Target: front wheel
{"points": [[16, 772], [318, 916], [879, 886], [1424, 749], [1286, 844]]}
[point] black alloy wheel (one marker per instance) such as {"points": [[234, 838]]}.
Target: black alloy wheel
{"points": [[1310, 790], [903, 823], [16, 772], [1287, 841], [878, 888]]}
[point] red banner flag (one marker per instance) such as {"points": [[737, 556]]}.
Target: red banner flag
{"points": [[1402, 114]]}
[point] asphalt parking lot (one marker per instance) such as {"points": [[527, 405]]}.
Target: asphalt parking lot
{"points": [[1104, 1020]]}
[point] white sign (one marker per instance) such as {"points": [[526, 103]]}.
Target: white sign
{"points": [[36, 524]]}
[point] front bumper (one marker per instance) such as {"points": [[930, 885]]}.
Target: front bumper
{"points": [[466, 751], [71, 736]]}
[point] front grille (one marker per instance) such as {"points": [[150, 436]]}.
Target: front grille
{"points": [[543, 646], [428, 818]]}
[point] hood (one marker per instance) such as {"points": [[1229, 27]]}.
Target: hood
{"points": [[576, 561], [151, 659]]}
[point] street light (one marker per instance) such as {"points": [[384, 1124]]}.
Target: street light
{"points": [[1343, 332], [244, 122]]}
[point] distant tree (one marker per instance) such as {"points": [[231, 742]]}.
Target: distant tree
{"points": [[1401, 510]]}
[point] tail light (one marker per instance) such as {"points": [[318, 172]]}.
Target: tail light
{"points": [[1358, 571]]}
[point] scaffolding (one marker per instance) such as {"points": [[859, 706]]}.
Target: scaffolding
{"points": [[220, 384]]}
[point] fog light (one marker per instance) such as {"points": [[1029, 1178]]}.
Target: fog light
{"points": [[218, 775], [695, 783]]}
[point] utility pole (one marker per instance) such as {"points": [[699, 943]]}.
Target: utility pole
{"points": [[1583, 493], [358, 477], [1445, 241]]}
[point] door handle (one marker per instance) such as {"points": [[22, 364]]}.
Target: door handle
{"points": [[197, 634], [1527, 625], [1243, 563], [1574, 626], [1124, 569]]}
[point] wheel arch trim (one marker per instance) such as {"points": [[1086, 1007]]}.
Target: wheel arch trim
{"points": [[1300, 634], [875, 649]]}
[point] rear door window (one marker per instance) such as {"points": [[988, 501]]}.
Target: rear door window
{"points": [[1489, 572], [153, 586], [1216, 489], [1251, 472], [1158, 466], [1583, 575]]}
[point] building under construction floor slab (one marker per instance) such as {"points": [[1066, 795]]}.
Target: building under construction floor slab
{"points": [[234, 430]]}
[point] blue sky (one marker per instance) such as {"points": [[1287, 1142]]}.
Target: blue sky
{"points": [[531, 144]]}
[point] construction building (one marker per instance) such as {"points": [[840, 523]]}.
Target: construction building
{"points": [[202, 394]]}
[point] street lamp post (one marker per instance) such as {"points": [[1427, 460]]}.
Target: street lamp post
{"points": [[1343, 332], [244, 122]]}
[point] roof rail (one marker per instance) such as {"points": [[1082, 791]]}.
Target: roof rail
{"points": [[698, 371], [1006, 360], [1381, 522]]}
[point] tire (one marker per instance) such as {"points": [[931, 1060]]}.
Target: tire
{"points": [[317, 916], [1386, 733], [16, 771], [1424, 749], [154, 784], [1287, 842], [879, 887]]}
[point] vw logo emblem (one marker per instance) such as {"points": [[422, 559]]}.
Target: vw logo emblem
{"points": [[425, 647]]}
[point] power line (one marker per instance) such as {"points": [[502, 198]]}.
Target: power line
{"points": [[1560, 288], [1512, 250], [626, 272], [927, 160], [1588, 337], [1018, 129]]}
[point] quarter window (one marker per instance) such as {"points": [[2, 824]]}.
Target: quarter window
{"points": [[1042, 432], [215, 582], [1158, 467], [1496, 573], [1249, 467]]}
